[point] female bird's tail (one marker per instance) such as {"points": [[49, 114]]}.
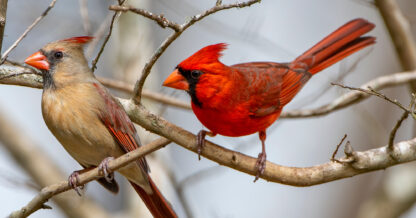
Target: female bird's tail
{"points": [[158, 206], [336, 46]]}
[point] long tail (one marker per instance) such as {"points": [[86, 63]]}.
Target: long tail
{"points": [[336, 46], [158, 206]]}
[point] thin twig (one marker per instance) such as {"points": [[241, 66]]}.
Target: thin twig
{"points": [[14, 45], [52, 190], [336, 150], [165, 44], [371, 91], [128, 88], [396, 127], [110, 31], [159, 19]]}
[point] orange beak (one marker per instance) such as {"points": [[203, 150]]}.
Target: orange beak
{"points": [[177, 81], [38, 60]]}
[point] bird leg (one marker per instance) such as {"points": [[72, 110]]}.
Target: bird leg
{"points": [[103, 167], [73, 180], [261, 159], [201, 141]]}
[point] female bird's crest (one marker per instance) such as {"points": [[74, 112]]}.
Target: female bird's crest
{"points": [[207, 55], [79, 39]]}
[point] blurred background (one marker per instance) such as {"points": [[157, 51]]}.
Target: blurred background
{"points": [[269, 31]]}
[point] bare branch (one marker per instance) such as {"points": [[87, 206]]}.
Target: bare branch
{"points": [[336, 149], [17, 74], [341, 102], [38, 201], [400, 32], [396, 127], [371, 91], [138, 87], [110, 31], [366, 161], [353, 96], [160, 19], [14, 45], [128, 88]]}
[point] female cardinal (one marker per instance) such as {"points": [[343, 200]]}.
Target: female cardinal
{"points": [[90, 124], [247, 98]]}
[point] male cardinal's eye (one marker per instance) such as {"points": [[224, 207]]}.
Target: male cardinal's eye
{"points": [[195, 74], [58, 55]]}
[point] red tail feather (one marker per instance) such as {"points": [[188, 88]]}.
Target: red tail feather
{"points": [[158, 206], [336, 46]]}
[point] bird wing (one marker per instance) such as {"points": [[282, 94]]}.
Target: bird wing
{"points": [[119, 124], [271, 85]]}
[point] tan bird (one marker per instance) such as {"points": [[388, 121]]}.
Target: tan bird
{"points": [[90, 124]]}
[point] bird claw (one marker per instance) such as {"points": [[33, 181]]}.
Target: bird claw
{"points": [[103, 167], [260, 165], [73, 182]]}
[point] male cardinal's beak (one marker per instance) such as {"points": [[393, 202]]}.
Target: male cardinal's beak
{"points": [[38, 60], [177, 81]]}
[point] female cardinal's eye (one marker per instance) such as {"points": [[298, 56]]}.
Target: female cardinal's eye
{"points": [[58, 55], [195, 74]]}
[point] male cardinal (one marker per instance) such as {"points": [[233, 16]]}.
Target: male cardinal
{"points": [[247, 98], [90, 124]]}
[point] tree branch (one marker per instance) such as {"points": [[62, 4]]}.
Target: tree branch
{"points": [[178, 31], [17, 74], [35, 81], [353, 97], [110, 31], [52, 190], [374, 159], [14, 45]]}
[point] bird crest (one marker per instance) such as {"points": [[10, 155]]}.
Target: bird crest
{"points": [[79, 39], [207, 55]]}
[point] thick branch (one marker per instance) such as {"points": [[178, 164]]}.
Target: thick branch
{"points": [[400, 32], [52, 190], [366, 161]]}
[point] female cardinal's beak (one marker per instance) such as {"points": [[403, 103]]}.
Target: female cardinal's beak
{"points": [[38, 60], [177, 81]]}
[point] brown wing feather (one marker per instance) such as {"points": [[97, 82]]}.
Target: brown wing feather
{"points": [[120, 125]]}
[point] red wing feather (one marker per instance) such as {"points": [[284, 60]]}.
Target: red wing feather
{"points": [[120, 125]]}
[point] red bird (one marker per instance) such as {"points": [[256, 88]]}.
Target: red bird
{"points": [[90, 124], [246, 98]]}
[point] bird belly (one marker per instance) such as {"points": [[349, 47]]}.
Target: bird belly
{"points": [[78, 128], [232, 123]]}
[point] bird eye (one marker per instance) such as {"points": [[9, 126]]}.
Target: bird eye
{"points": [[58, 55], [195, 74]]}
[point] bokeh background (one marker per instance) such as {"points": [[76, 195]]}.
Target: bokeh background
{"points": [[269, 31]]}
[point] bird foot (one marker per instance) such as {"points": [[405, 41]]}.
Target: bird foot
{"points": [[73, 182], [260, 165], [103, 167]]}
